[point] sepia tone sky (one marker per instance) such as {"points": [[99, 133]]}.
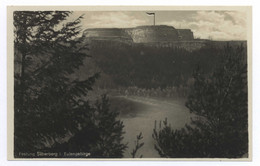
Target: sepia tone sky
{"points": [[216, 25]]}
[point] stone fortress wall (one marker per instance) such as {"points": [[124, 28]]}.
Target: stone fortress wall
{"points": [[160, 33], [140, 34], [155, 36], [113, 34]]}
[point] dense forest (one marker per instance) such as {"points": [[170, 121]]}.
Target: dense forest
{"points": [[151, 67], [146, 67]]}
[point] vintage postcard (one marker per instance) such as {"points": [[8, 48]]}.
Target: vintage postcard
{"points": [[129, 83]]}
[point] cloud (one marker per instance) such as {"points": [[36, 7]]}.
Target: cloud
{"points": [[215, 25], [113, 19], [239, 18]]}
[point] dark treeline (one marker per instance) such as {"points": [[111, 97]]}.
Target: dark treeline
{"points": [[151, 67]]}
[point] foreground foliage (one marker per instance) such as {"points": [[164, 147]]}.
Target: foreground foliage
{"points": [[48, 98], [219, 103], [100, 136]]}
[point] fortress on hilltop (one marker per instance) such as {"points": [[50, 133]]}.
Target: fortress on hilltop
{"points": [[140, 34], [152, 35]]}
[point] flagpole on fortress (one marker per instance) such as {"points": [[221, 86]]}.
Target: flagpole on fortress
{"points": [[154, 19], [151, 14]]}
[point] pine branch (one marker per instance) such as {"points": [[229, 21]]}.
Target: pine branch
{"points": [[138, 145]]}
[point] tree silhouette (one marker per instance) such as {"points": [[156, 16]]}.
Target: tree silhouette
{"points": [[219, 103], [138, 145], [47, 98], [100, 135]]}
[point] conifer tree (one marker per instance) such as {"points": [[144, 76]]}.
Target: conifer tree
{"points": [[47, 99], [219, 102], [101, 135], [110, 131]]}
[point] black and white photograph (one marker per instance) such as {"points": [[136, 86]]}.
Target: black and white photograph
{"points": [[137, 84]]}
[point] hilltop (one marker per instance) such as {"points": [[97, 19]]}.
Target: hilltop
{"points": [[140, 34], [154, 36]]}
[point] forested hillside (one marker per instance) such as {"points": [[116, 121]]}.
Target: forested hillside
{"points": [[145, 66]]}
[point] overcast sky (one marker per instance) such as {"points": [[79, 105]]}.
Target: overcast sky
{"points": [[217, 25]]}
